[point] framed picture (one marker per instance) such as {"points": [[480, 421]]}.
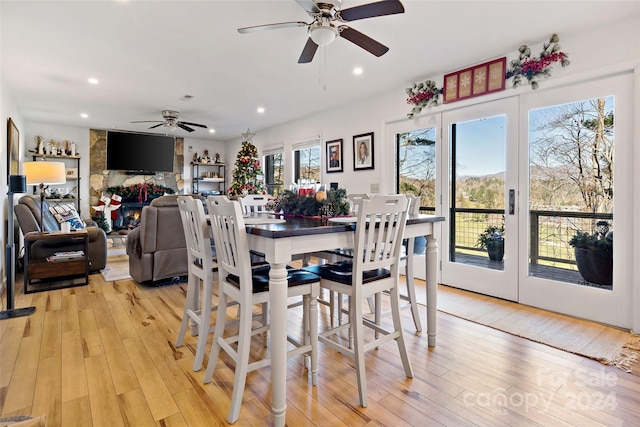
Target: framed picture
{"points": [[13, 148], [72, 173], [334, 156], [363, 151]]}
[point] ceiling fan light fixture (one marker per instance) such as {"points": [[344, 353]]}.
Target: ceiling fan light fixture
{"points": [[323, 35]]}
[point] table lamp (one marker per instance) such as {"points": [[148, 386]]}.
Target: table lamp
{"points": [[17, 184], [44, 174]]}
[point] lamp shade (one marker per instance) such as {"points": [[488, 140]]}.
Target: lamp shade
{"points": [[46, 173], [323, 35]]}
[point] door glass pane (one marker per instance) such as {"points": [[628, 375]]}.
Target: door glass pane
{"points": [[478, 153], [571, 149]]}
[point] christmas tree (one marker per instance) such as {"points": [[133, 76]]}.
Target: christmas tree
{"points": [[247, 173]]}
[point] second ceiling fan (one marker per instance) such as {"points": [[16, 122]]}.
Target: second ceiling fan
{"points": [[171, 122], [327, 25]]}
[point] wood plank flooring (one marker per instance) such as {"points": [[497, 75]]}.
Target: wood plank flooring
{"points": [[104, 355]]}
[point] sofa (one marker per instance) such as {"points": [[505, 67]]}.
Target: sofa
{"points": [[27, 212], [157, 248]]}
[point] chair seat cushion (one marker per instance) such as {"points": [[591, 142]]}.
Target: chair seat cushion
{"points": [[260, 278], [342, 272]]}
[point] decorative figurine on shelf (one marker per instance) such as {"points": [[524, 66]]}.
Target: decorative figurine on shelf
{"points": [[217, 157], [73, 148], [195, 157], [205, 156], [67, 148], [39, 144]]}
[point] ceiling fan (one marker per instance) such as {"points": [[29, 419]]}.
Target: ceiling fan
{"points": [[171, 122], [326, 25]]}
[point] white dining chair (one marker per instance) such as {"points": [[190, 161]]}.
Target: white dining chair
{"points": [[252, 203], [248, 286], [374, 269], [202, 267]]}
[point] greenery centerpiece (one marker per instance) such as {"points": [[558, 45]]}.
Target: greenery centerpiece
{"points": [[324, 203], [492, 239], [594, 254], [247, 175]]}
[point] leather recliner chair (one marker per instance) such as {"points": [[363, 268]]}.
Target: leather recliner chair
{"points": [[28, 215], [157, 248]]}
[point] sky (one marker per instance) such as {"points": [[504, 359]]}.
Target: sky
{"points": [[481, 146]]}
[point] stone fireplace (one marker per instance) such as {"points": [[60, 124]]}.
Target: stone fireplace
{"points": [[100, 178]]}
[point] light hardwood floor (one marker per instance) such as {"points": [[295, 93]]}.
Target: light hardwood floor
{"points": [[104, 355]]}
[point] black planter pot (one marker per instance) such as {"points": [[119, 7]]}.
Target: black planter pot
{"points": [[595, 266], [495, 250]]}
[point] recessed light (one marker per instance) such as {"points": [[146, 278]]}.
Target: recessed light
{"points": [[358, 71], [93, 80], [212, 130], [261, 110], [84, 115]]}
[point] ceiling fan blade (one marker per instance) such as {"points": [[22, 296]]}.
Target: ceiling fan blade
{"points": [[256, 28], [182, 126], [155, 126], [308, 5], [370, 10], [365, 42], [148, 121], [193, 124], [308, 52]]}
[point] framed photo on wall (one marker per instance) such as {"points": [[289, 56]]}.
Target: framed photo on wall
{"points": [[334, 156], [13, 148], [363, 151]]}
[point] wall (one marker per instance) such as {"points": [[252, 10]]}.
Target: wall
{"points": [[8, 109]]}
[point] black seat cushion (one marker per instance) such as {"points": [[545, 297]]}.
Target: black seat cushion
{"points": [[341, 272], [260, 278]]}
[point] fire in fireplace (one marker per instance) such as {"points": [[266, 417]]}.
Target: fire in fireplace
{"points": [[129, 216]]}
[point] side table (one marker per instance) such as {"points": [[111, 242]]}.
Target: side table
{"points": [[66, 272]]}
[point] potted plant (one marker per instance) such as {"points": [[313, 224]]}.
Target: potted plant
{"points": [[594, 254], [492, 239]]}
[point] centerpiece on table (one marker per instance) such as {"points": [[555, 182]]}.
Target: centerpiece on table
{"points": [[323, 204]]}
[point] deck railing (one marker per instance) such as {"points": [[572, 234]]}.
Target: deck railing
{"points": [[549, 232]]}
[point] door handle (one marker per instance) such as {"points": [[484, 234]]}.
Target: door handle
{"points": [[512, 202]]}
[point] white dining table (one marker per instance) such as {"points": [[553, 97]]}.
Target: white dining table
{"points": [[280, 242]]}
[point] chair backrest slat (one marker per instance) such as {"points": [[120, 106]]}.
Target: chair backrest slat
{"points": [[230, 236], [379, 230], [254, 203], [196, 231]]}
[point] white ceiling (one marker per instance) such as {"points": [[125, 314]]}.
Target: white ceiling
{"points": [[149, 54]]}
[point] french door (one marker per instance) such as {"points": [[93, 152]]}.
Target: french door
{"points": [[479, 190], [509, 172]]}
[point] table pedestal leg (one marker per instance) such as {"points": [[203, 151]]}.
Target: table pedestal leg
{"points": [[278, 320], [432, 289]]}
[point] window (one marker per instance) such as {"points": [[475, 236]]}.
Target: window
{"points": [[416, 166], [306, 158], [274, 171]]}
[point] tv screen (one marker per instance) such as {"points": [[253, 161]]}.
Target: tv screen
{"points": [[140, 152]]}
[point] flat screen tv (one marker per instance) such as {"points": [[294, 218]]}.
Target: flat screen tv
{"points": [[138, 152]]}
